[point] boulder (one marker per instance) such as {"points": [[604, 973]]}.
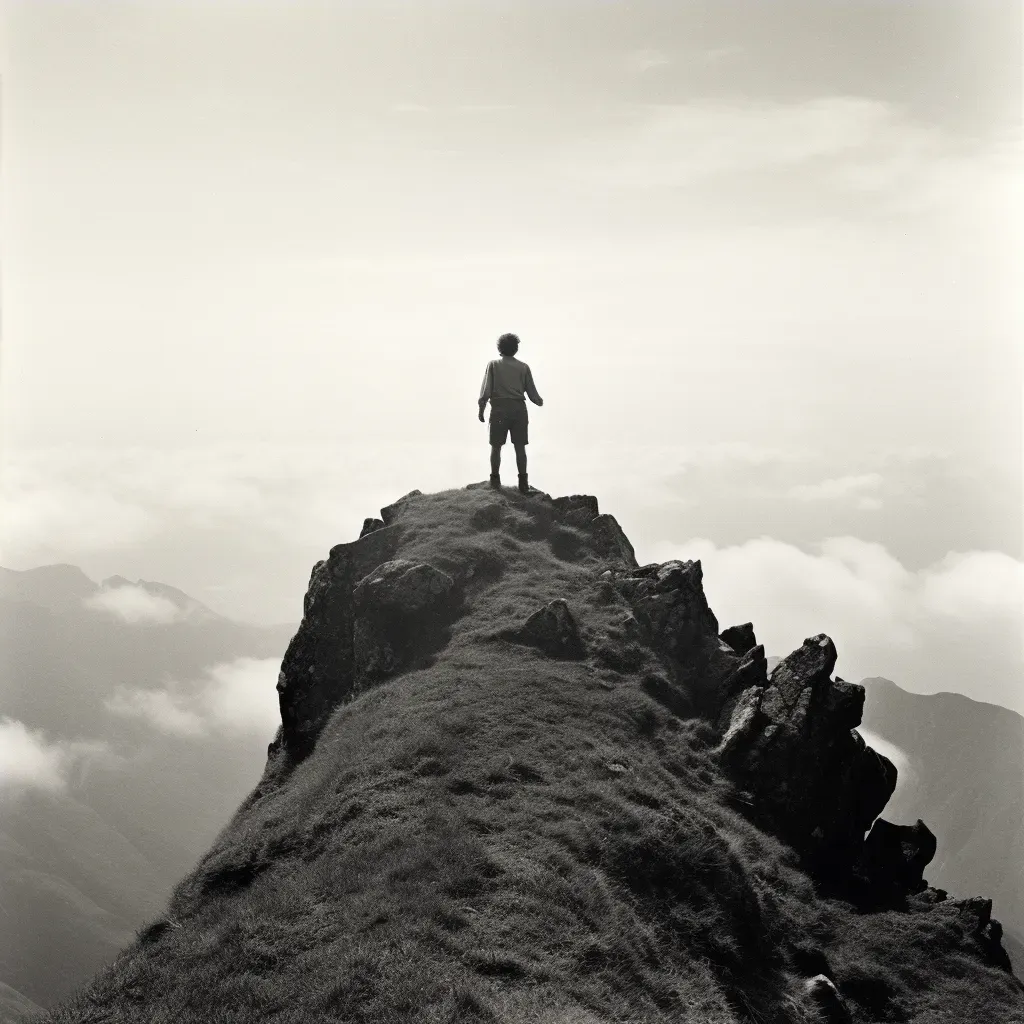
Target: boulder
{"points": [[551, 629], [752, 671], [370, 524], [740, 638], [317, 671], [396, 609], [390, 512], [401, 586], [610, 541], [668, 601], [975, 911], [576, 509], [792, 744], [823, 995], [346, 641], [895, 856]]}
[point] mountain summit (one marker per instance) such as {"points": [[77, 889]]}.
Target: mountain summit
{"points": [[520, 777]]}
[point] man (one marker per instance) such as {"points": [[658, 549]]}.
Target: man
{"points": [[506, 381]]}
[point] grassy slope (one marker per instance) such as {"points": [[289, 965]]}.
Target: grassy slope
{"points": [[505, 837], [16, 1008]]}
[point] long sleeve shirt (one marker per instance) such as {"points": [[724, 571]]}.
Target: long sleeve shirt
{"points": [[508, 379]]}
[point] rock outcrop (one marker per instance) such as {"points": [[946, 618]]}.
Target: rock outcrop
{"points": [[395, 609], [823, 995], [740, 638], [895, 856], [792, 745], [552, 629], [668, 601], [366, 616]]}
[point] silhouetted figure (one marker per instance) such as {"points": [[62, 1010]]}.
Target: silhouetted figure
{"points": [[507, 383]]}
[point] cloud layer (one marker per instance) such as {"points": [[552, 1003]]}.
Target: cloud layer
{"points": [[29, 760], [134, 604], [953, 625], [234, 697]]}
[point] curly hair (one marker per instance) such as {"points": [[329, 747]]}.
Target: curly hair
{"points": [[508, 344]]}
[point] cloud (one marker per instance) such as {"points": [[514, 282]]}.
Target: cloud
{"points": [[47, 512], [134, 604], [839, 487], [242, 694], [28, 760], [899, 757], [983, 585], [239, 696], [850, 146], [639, 61], [953, 625], [673, 144], [167, 711], [720, 53], [906, 780]]}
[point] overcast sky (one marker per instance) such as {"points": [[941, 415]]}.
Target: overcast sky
{"points": [[760, 256]]}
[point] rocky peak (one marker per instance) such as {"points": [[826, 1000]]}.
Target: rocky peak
{"points": [[387, 603], [520, 776]]}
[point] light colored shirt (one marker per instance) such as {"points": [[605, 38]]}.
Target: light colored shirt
{"points": [[508, 379]]}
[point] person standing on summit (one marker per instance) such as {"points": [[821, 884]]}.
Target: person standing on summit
{"points": [[507, 383]]}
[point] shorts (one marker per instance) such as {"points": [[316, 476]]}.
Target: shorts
{"points": [[509, 419]]}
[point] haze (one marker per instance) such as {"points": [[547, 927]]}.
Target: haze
{"points": [[760, 257]]}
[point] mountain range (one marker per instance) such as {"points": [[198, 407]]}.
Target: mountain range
{"points": [[116, 807]]}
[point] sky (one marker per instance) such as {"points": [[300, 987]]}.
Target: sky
{"points": [[760, 256]]}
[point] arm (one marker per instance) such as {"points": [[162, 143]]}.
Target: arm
{"points": [[530, 388], [485, 391]]}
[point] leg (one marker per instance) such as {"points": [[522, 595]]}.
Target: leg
{"points": [[495, 459], [521, 459]]}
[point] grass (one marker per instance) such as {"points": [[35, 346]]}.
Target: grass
{"points": [[505, 837]]}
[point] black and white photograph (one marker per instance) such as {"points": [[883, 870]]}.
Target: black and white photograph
{"points": [[511, 512]]}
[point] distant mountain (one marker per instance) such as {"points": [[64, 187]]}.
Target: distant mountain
{"points": [[81, 869], [16, 1008], [55, 587], [965, 779]]}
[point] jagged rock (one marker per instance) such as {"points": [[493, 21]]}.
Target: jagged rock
{"points": [[370, 524], [752, 671], [668, 600], [740, 638], [576, 509], [347, 640], [390, 512], [552, 629], [825, 997], [975, 910], [611, 541], [401, 586], [932, 895], [895, 856], [792, 744], [394, 607]]}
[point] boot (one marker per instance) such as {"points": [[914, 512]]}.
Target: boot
{"points": [[495, 480], [524, 486]]}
